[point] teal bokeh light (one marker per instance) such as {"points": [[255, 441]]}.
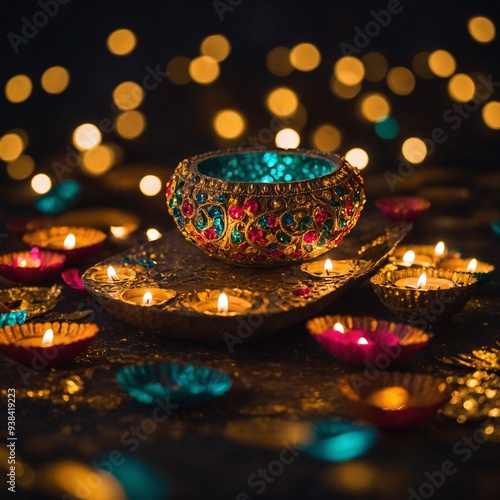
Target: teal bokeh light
{"points": [[341, 440], [387, 128], [61, 197]]}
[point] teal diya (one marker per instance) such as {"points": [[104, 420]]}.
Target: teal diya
{"points": [[265, 207], [180, 384]]}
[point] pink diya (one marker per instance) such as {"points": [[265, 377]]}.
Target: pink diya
{"points": [[402, 208], [31, 267], [77, 243], [394, 400], [367, 340], [42, 344], [73, 279]]}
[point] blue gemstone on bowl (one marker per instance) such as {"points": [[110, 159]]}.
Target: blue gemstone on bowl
{"points": [[221, 198], [339, 440], [214, 211], [13, 318], [180, 384], [201, 197], [287, 219]]}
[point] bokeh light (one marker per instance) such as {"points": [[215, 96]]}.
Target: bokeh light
{"points": [[282, 101], [305, 57], [375, 66], [229, 123], [491, 114], [420, 65], [98, 160], [178, 70], [216, 46], [375, 106], [326, 138], [121, 42], [21, 168], [344, 91], [41, 183], [442, 63], [18, 88], [287, 138], [153, 234], [150, 185], [128, 96], [204, 70], [401, 80], [414, 150], [387, 128], [86, 136], [130, 124], [357, 157], [461, 87], [55, 80], [349, 70], [278, 61], [11, 146], [481, 29]]}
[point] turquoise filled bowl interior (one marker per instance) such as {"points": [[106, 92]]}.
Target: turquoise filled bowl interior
{"points": [[181, 384], [269, 166]]}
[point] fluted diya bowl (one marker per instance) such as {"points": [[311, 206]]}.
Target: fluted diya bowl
{"points": [[180, 384], [421, 306], [31, 267], [403, 208], [392, 399], [87, 241], [367, 340], [265, 207], [27, 343]]}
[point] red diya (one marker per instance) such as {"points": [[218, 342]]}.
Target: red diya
{"points": [[403, 208], [73, 279], [42, 344], [394, 400], [31, 267], [77, 243], [367, 340]]}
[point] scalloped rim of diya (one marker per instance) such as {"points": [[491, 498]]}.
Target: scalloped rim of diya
{"points": [[482, 276], [407, 303], [401, 399], [73, 279], [23, 343], [51, 263], [185, 384], [410, 339], [402, 208], [427, 250], [41, 238]]}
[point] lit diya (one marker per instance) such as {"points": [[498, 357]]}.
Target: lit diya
{"points": [[112, 274], [43, 344], [394, 400], [148, 297], [77, 243], [430, 294], [328, 268], [403, 208], [405, 256], [366, 340], [482, 271], [31, 267]]}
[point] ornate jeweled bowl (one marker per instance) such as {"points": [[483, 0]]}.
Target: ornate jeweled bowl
{"points": [[265, 207]]}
